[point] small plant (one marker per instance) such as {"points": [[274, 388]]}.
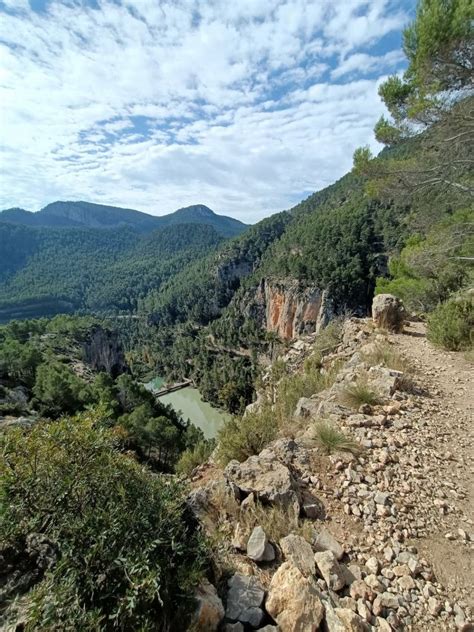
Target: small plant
{"points": [[451, 325], [193, 457], [240, 438], [331, 440], [385, 354], [277, 521], [360, 393]]}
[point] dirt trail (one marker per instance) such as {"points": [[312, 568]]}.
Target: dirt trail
{"points": [[446, 431]]}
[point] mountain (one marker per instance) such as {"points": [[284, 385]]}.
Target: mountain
{"points": [[50, 270], [88, 215]]}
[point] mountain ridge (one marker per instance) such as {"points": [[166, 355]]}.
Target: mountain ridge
{"points": [[80, 214]]}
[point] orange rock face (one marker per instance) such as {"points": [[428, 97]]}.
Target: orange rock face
{"points": [[291, 309]]}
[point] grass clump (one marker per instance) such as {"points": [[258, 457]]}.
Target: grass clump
{"points": [[327, 340], [451, 324], [385, 354], [331, 440], [292, 387], [276, 520], [128, 552], [358, 393]]}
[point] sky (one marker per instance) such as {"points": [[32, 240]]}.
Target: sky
{"points": [[247, 106]]}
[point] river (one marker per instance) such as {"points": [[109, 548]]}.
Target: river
{"points": [[189, 401]]}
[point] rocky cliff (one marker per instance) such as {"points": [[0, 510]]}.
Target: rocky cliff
{"points": [[289, 308], [103, 352]]}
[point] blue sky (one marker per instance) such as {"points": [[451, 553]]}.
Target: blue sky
{"points": [[247, 106]]}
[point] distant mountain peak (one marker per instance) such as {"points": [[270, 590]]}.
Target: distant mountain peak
{"points": [[199, 209], [90, 215]]}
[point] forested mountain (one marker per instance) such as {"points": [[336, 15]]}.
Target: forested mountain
{"points": [[88, 215], [45, 271]]}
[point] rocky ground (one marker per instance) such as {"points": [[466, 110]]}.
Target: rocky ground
{"points": [[376, 537]]}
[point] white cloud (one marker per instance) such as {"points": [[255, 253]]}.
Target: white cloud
{"points": [[158, 105], [364, 64]]}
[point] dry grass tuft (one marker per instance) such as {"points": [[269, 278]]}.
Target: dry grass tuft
{"points": [[277, 521], [331, 440], [358, 393], [389, 357]]}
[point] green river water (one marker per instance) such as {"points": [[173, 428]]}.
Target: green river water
{"points": [[189, 401]]}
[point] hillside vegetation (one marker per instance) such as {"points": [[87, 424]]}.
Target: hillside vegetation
{"points": [[44, 271]]}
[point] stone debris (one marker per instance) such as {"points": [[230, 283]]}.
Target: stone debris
{"points": [[330, 569], [363, 565], [299, 552]]}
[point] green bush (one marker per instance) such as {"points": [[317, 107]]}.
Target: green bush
{"points": [[451, 325], [129, 555], [58, 390], [241, 438], [192, 457]]}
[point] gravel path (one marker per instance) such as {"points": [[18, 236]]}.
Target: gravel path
{"points": [[446, 440]]}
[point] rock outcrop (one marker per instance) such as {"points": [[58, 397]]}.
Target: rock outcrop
{"points": [[103, 352], [354, 555], [388, 312], [289, 308]]}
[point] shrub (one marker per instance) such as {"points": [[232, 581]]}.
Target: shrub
{"points": [[58, 390], [128, 552], [192, 457], [330, 439], [451, 325], [359, 393], [239, 439], [276, 520], [385, 354]]}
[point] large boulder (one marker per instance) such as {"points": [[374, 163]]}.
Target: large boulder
{"points": [[244, 600], [294, 600], [266, 477], [388, 312], [209, 611], [297, 551]]}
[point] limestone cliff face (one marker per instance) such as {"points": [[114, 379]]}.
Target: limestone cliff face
{"points": [[103, 352], [290, 308]]}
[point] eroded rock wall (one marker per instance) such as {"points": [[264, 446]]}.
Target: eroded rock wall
{"points": [[103, 352], [290, 308]]}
